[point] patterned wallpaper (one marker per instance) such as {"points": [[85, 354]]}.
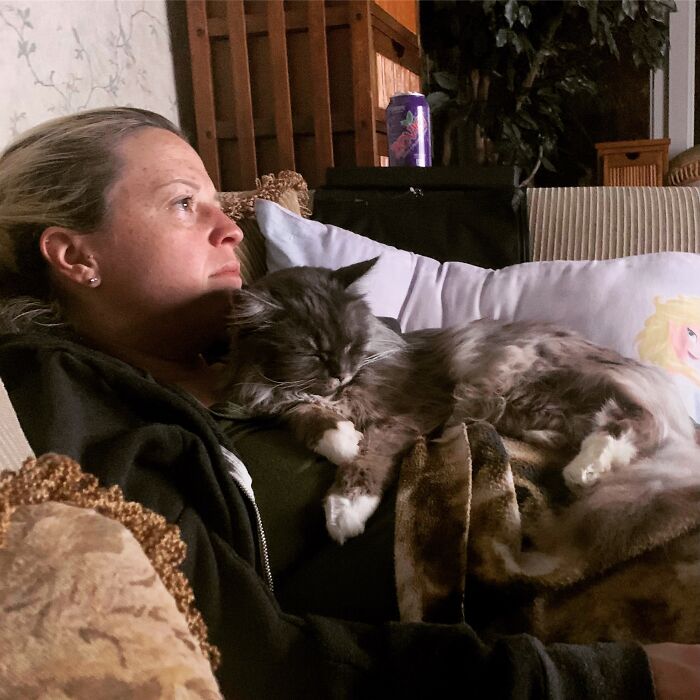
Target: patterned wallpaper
{"points": [[59, 57]]}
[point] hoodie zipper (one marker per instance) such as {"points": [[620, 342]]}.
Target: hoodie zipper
{"points": [[242, 477]]}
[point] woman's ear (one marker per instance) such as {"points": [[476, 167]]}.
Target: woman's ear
{"points": [[68, 254]]}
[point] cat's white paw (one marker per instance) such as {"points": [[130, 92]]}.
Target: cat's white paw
{"points": [[599, 453], [346, 515], [340, 444]]}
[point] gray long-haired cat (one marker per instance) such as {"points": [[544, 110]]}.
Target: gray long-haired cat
{"points": [[307, 349]]}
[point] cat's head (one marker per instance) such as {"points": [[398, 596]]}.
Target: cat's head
{"points": [[301, 330]]}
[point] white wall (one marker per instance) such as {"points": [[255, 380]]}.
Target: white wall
{"points": [[61, 57], [681, 89], [673, 90]]}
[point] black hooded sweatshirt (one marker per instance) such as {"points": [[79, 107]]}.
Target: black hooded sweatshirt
{"points": [[164, 450]]}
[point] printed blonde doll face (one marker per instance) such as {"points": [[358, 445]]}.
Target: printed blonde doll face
{"points": [[684, 341]]}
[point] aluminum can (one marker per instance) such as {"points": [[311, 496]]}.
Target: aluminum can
{"points": [[408, 129]]}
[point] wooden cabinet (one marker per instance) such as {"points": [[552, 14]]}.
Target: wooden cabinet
{"points": [[298, 85], [633, 163]]}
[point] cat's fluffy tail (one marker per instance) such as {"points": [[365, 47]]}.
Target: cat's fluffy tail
{"points": [[644, 415], [632, 510], [650, 388]]}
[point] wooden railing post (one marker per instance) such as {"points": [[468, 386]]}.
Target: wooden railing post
{"points": [[318, 50], [276, 29], [243, 103], [363, 82], [203, 88]]}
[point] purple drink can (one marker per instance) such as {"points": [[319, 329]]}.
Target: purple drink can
{"points": [[408, 129]]}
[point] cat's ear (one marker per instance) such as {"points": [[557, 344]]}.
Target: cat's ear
{"points": [[251, 308], [351, 273]]}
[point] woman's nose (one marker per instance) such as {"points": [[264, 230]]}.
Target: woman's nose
{"points": [[225, 229]]}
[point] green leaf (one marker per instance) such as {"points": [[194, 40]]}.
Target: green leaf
{"points": [[592, 8], [609, 38], [524, 15], [527, 120], [517, 44], [658, 9], [446, 80], [527, 45], [547, 165], [438, 101], [630, 8], [511, 11]]}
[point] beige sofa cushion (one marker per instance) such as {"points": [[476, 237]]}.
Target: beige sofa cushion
{"points": [[288, 189], [93, 605]]}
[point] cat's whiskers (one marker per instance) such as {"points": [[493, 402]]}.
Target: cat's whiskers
{"points": [[377, 356], [298, 384], [294, 384]]}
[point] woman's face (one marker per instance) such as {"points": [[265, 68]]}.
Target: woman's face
{"points": [[165, 249], [684, 341]]}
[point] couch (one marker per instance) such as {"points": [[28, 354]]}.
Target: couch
{"points": [[587, 223], [167, 652]]}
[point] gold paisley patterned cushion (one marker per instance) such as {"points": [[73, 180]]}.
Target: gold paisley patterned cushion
{"points": [[83, 611], [288, 189]]}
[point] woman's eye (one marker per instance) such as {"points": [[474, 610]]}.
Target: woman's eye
{"points": [[692, 334], [185, 203]]}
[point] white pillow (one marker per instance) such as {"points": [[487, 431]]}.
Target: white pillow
{"points": [[644, 306]]}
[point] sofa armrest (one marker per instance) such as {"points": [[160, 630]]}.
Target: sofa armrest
{"points": [[597, 223]]}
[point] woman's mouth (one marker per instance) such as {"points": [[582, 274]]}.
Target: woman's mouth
{"points": [[230, 270]]}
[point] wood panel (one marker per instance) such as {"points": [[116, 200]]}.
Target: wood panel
{"points": [[243, 103], [280, 83], [403, 11], [295, 85], [296, 17], [318, 50], [363, 66], [203, 88], [392, 78]]}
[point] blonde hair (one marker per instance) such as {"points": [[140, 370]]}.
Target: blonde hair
{"points": [[58, 174], [654, 342]]}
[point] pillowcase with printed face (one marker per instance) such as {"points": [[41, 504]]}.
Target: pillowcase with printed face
{"points": [[644, 306]]}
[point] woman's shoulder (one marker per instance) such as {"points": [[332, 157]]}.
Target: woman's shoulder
{"points": [[29, 352], [36, 366]]}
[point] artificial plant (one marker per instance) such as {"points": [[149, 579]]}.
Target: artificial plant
{"points": [[502, 76]]}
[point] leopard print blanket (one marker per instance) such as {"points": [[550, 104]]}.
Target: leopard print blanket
{"points": [[487, 532]]}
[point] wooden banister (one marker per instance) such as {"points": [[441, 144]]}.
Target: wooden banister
{"points": [[280, 83], [363, 65], [318, 49], [203, 88], [296, 85], [243, 103]]}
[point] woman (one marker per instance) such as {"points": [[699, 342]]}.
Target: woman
{"points": [[110, 220]]}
